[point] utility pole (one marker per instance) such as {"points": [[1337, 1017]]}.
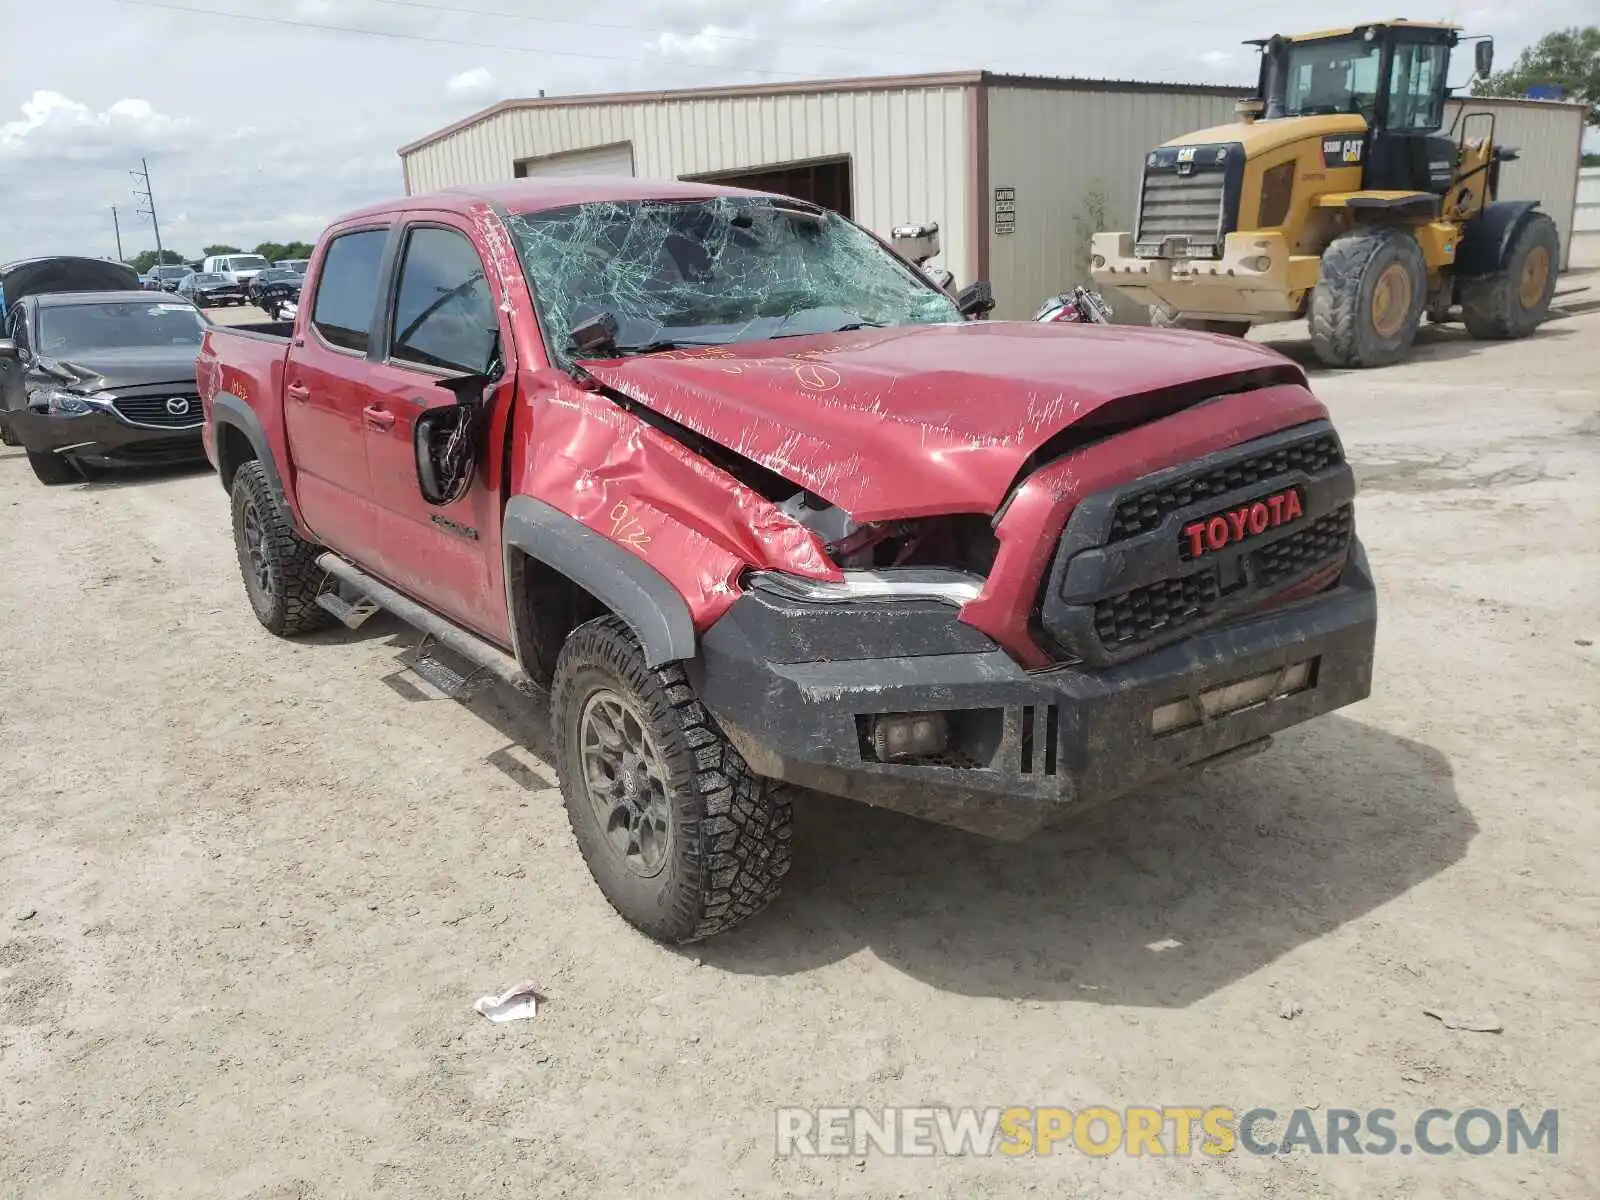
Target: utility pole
{"points": [[118, 227], [144, 173]]}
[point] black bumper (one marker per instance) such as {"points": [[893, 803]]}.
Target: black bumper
{"points": [[794, 688], [102, 439]]}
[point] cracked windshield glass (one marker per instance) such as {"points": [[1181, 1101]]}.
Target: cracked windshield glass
{"points": [[712, 272]]}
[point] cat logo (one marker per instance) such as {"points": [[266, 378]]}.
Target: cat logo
{"points": [[1186, 154], [1341, 151]]}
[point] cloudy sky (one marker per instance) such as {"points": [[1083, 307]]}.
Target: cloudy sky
{"points": [[260, 122]]}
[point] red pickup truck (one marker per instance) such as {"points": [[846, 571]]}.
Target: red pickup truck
{"points": [[755, 503]]}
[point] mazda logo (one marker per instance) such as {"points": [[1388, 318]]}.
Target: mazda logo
{"points": [[178, 406]]}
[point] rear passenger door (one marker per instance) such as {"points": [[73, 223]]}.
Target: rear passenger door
{"points": [[324, 391], [443, 322]]}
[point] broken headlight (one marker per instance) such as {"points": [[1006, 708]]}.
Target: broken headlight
{"points": [[59, 403], [909, 583]]}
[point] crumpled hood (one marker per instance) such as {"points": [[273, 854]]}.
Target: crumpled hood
{"points": [[912, 421], [132, 366]]}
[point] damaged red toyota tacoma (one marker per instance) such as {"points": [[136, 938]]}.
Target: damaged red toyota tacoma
{"points": [[754, 503]]}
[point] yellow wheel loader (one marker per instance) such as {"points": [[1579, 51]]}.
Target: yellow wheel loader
{"points": [[1338, 196]]}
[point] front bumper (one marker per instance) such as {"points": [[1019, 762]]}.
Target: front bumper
{"points": [[793, 687], [1257, 278], [103, 439]]}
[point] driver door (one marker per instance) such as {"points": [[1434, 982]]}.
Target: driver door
{"points": [[441, 324]]}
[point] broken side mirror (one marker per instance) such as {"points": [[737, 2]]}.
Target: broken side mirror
{"points": [[596, 335], [1483, 58], [446, 440], [976, 299]]}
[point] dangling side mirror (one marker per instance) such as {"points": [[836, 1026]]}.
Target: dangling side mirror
{"points": [[976, 299], [446, 440]]}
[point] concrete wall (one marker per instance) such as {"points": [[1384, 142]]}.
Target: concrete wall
{"points": [[1074, 158], [907, 146], [1588, 215]]}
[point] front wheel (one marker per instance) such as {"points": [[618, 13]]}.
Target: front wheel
{"points": [[1371, 287], [1515, 300], [684, 840], [52, 470], [281, 576]]}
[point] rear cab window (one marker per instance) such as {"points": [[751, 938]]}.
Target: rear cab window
{"points": [[347, 289]]}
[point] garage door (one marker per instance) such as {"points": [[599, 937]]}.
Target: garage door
{"points": [[601, 160]]}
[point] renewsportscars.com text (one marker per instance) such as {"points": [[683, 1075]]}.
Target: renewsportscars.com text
{"points": [[1168, 1131]]}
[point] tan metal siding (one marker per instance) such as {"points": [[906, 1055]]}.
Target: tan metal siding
{"points": [[1058, 148], [1547, 135], [907, 146]]}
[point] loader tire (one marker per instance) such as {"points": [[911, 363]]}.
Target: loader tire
{"points": [[281, 576], [1515, 300], [683, 838], [1369, 297]]}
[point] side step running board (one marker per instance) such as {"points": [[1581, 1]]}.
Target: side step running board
{"points": [[469, 645]]}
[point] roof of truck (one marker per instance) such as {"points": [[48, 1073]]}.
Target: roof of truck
{"points": [[537, 195]]}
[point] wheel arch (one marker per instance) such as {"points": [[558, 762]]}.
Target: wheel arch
{"points": [[1486, 238], [240, 439], [559, 569]]}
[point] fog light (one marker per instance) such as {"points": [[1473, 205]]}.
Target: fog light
{"points": [[1260, 263], [1231, 698], [909, 735], [1099, 261]]}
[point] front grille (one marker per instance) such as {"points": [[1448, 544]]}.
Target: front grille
{"points": [[152, 410], [1165, 608], [1188, 206], [1147, 510], [1317, 543]]}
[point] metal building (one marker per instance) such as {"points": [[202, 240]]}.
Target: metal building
{"points": [[1017, 170]]}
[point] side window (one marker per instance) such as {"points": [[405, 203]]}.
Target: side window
{"points": [[18, 326], [347, 289], [1416, 86], [443, 313]]}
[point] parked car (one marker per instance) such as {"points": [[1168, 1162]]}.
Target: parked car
{"points": [[100, 375], [297, 265], [208, 289], [272, 289], [745, 496], [236, 268], [165, 278]]}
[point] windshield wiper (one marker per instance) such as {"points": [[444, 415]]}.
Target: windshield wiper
{"points": [[629, 349]]}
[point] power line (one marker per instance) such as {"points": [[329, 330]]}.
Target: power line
{"points": [[417, 37]]}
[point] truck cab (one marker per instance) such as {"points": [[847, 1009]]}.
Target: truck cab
{"points": [[748, 501]]}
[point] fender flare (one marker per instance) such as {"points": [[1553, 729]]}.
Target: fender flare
{"points": [[1486, 238], [228, 409], [619, 579]]}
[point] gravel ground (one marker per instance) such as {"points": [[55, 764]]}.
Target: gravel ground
{"points": [[249, 888]]}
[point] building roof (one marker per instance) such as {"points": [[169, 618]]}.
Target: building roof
{"points": [[862, 83]]}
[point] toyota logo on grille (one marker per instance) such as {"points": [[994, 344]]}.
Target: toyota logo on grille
{"points": [[178, 406]]}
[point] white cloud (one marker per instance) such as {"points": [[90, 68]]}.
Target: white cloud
{"points": [[709, 44], [473, 84], [54, 127]]}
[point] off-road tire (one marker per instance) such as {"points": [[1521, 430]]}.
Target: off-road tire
{"points": [[1342, 315], [53, 470], [286, 603], [1494, 308], [729, 840]]}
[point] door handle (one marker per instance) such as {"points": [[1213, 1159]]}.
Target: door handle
{"points": [[296, 391], [378, 418]]}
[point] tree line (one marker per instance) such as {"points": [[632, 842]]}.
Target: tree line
{"points": [[271, 251]]}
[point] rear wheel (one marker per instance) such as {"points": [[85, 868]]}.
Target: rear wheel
{"points": [[1515, 300], [1369, 297], [52, 469], [281, 576], [684, 840]]}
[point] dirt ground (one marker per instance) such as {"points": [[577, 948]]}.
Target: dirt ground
{"points": [[267, 880]]}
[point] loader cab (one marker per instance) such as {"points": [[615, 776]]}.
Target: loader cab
{"points": [[1394, 75]]}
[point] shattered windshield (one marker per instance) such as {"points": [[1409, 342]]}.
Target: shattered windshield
{"points": [[711, 272]]}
